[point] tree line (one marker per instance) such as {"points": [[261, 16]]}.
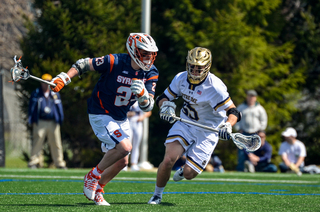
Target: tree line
{"points": [[270, 46]]}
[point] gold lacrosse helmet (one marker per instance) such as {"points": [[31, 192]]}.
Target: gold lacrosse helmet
{"points": [[198, 64]]}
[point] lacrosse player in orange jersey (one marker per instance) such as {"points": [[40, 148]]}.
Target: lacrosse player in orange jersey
{"points": [[125, 78]]}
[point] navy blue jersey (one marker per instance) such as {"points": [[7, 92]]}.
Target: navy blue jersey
{"points": [[112, 94]]}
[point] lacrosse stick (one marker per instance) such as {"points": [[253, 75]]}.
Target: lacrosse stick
{"points": [[18, 72], [250, 143]]}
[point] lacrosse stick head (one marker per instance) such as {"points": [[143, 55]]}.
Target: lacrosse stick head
{"points": [[250, 143], [18, 72]]}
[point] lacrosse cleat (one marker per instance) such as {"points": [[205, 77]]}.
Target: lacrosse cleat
{"points": [[90, 185], [178, 175], [99, 200], [155, 200]]}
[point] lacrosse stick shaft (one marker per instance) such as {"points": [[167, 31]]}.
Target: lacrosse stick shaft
{"points": [[44, 81], [193, 123]]}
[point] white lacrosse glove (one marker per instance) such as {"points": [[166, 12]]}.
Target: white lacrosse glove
{"points": [[167, 110], [225, 131], [138, 88]]}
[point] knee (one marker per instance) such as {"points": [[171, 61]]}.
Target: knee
{"points": [[190, 175], [125, 148], [168, 162]]}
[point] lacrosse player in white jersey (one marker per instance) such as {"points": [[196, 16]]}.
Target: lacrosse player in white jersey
{"points": [[207, 102]]}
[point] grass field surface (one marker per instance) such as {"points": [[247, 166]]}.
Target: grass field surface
{"points": [[61, 190]]}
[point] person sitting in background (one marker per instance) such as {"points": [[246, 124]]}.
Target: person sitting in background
{"points": [[260, 159], [215, 164], [292, 151]]}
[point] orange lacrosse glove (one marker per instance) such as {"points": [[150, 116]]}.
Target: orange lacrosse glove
{"points": [[59, 84]]}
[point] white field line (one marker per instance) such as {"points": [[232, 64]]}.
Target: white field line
{"points": [[153, 179], [84, 171]]}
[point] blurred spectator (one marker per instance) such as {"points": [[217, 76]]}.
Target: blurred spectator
{"points": [[292, 151], [45, 113], [260, 160], [215, 164], [136, 117], [254, 118]]}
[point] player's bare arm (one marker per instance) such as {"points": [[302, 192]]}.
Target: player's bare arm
{"points": [[233, 114], [78, 68], [161, 102]]}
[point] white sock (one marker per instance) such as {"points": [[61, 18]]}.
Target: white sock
{"points": [[96, 171], [158, 191]]}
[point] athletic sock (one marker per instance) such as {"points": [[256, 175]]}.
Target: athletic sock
{"points": [[100, 186], [158, 191], [96, 171]]}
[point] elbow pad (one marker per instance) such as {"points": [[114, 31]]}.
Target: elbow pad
{"points": [[82, 66], [235, 112]]}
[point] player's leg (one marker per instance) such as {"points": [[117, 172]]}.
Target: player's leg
{"points": [[120, 151], [39, 134], [198, 155], [115, 143], [54, 141], [106, 177], [174, 150]]}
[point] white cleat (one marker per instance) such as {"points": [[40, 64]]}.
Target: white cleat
{"points": [[90, 185], [155, 200], [99, 200], [134, 168], [178, 175], [125, 169]]}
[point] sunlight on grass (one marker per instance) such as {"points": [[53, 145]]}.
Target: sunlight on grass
{"points": [[15, 162]]}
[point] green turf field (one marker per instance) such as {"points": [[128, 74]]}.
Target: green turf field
{"points": [[61, 190]]}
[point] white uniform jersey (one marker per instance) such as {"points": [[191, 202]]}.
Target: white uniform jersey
{"points": [[204, 103]]}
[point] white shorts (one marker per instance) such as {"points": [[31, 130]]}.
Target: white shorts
{"points": [[109, 131], [198, 144]]}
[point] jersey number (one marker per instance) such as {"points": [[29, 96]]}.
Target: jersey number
{"points": [[124, 96], [190, 111]]}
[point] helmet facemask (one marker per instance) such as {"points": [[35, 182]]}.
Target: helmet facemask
{"points": [[144, 59], [198, 64], [142, 50]]}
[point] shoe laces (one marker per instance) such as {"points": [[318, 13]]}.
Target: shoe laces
{"points": [[91, 181], [99, 197]]}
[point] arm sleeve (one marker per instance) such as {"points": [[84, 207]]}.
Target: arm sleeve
{"points": [[173, 91], [104, 64], [220, 97], [303, 152], [263, 118], [32, 107], [60, 109], [151, 82], [267, 155], [282, 149]]}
